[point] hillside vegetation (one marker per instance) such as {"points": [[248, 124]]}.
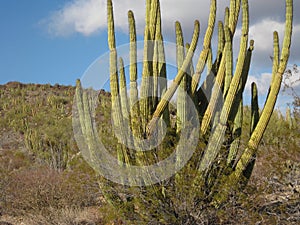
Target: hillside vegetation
{"points": [[44, 180]]}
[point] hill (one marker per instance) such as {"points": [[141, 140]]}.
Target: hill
{"points": [[44, 180]]}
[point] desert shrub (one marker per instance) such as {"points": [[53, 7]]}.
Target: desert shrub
{"points": [[40, 189], [52, 143], [57, 102], [10, 161]]}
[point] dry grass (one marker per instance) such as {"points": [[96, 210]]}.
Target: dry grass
{"points": [[66, 216]]}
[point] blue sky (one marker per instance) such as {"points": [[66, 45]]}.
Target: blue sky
{"points": [[54, 41], [32, 55]]}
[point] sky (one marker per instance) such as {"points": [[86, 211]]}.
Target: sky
{"points": [[56, 41]]}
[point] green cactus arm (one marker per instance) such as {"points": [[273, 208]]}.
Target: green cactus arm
{"points": [[226, 17], [163, 77], [90, 134], [221, 51], [206, 47], [236, 135], [124, 153], [229, 63], [234, 85], [85, 112], [114, 82], [155, 74], [171, 90], [133, 92], [153, 18], [191, 70], [85, 122], [254, 120], [254, 107], [208, 83], [276, 55], [117, 114], [89, 111], [204, 92], [148, 11], [145, 104], [180, 53], [236, 176], [133, 47], [157, 60], [79, 101], [183, 93], [181, 114], [209, 62], [217, 137], [243, 81], [126, 114], [288, 117], [88, 115], [210, 25], [237, 115], [221, 41], [110, 26], [271, 100], [123, 90], [237, 11], [234, 14], [234, 10], [146, 86], [181, 100], [217, 89]]}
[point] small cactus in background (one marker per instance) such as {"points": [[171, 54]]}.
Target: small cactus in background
{"points": [[289, 119], [214, 170]]}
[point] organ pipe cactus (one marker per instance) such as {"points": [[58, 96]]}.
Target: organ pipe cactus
{"points": [[289, 118], [214, 166], [181, 102]]}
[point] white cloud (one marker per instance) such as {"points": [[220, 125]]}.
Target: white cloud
{"points": [[262, 82], [262, 33], [80, 16], [89, 16]]}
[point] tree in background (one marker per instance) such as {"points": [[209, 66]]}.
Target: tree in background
{"points": [[290, 81]]}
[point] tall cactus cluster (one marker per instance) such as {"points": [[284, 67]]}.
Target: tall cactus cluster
{"points": [[220, 164]]}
